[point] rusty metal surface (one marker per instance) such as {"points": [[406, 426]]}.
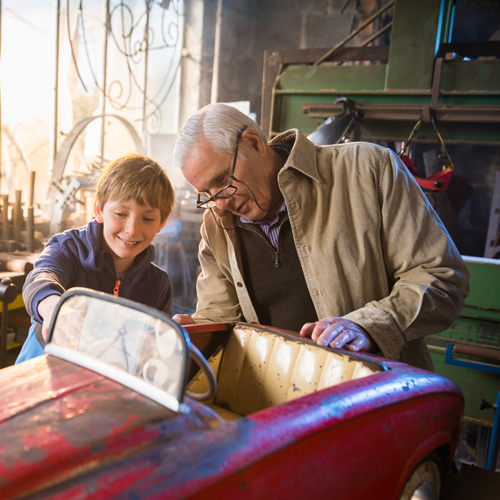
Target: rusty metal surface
{"points": [[408, 112], [57, 419], [69, 433], [281, 452], [207, 337]]}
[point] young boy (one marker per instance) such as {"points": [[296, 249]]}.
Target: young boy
{"points": [[112, 253]]}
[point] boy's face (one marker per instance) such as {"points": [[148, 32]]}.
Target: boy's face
{"points": [[128, 228]]}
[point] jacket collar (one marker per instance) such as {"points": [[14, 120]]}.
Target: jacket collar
{"points": [[303, 154], [302, 157]]}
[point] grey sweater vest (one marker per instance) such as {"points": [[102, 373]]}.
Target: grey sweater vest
{"points": [[274, 278]]}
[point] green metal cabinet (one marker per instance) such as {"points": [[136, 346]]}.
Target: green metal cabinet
{"points": [[478, 325], [392, 85]]}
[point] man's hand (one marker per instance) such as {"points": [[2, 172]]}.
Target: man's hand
{"points": [[339, 333], [183, 319], [45, 310]]}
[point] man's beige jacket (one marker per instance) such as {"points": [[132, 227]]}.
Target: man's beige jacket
{"points": [[371, 247]]}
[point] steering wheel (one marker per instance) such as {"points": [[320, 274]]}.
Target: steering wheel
{"points": [[209, 374]]}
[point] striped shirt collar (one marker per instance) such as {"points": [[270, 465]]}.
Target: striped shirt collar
{"points": [[271, 227], [266, 222]]}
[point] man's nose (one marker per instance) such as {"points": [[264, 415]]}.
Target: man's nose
{"points": [[222, 203]]}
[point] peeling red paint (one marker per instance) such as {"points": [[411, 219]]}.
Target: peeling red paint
{"points": [[72, 434]]}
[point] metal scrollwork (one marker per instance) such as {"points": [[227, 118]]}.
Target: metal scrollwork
{"points": [[134, 36]]}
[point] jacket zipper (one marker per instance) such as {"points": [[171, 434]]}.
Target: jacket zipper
{"points": [[276, 251], [117, 287]]}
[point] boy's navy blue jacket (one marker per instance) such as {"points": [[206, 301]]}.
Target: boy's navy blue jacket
{"points": [[74, 259]]}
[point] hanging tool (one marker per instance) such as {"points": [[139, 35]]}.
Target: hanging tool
{"points": [[436, 182]]}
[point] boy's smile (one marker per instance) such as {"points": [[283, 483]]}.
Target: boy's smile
{"points": [[128, 229]]}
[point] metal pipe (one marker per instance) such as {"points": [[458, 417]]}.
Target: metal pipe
{"points": [[145, 99], [30, 230], [18, 216], [18, 265], [55, 118], [377, 34], [5, 217], [1, 176], [370, 40], [215, 74], [30, 221], [104, 76], [5, 326], [491, 458], [354, 33], [479, 352], [31, 198]]}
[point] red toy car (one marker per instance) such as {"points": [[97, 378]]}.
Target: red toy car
{"points": [[113, 410]]}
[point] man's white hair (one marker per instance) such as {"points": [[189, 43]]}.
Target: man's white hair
{"points": [[219, 125]]}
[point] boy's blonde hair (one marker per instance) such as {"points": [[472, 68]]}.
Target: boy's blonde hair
{"points": [[136, 177]]}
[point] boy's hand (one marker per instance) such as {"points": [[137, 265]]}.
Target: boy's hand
{"points": [[183, 319], [45, 310]]}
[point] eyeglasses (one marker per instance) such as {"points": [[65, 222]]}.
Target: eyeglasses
{"points": [[207, 201]]}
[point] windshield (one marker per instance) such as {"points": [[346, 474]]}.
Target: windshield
{"points": [[120, 339]]}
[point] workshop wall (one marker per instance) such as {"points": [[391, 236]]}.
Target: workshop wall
{"points": [[250, 28]]}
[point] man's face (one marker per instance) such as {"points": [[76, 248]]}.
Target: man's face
{"points": [[208, 171], [128, 229]]}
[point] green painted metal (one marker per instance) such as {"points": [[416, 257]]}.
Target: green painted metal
{"points": [[475, 385], [405, 80], [413, 42], [478, 325], [485, 284], [479, 78], [476, 75], [288, 113], [453, 133], [316, 78]]}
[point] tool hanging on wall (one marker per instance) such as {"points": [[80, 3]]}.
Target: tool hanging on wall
{"points": [[440, 180]]}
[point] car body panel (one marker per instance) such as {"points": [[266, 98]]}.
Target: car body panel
{"points": [[69, 417], [118, 438], [67, 432]]}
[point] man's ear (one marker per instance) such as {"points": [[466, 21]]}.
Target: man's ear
{"points": [[162, 224], [98, 212], [254, 140]]}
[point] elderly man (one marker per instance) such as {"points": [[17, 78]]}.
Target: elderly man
{"points": [[337, 242]]}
